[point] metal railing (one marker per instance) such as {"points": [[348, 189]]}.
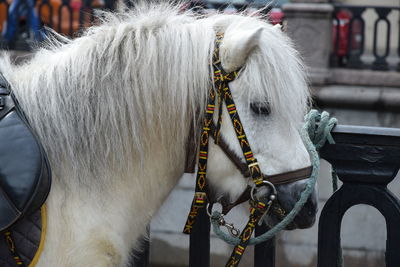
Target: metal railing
{"points": [[349, 38], [366, 160]]}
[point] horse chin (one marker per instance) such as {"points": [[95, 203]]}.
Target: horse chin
{"points": [[304, 219], [301, 221], [307, 215]]}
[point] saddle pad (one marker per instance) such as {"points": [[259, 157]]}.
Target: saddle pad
{"points": [[26, 238], [25, 175]]}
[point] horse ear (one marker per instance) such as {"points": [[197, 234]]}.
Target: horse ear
{"points": [[237, 46]]}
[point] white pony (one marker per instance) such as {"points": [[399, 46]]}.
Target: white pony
{"points": [[113, 109]]}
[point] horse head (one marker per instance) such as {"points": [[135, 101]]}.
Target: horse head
{"points": [[271, 96]]}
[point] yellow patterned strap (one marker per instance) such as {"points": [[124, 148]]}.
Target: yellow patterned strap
{"points": [[11, 244], [200, 196], [221, 81], [257, 210], [14, 252], [35, 259]]}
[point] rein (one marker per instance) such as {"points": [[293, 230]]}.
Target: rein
{"points": [[249, 168]]}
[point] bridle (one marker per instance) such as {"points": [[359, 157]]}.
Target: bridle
{"points": [[250, 168]]}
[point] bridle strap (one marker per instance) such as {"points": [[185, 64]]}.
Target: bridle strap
{"points": [[240, 165], [227, 206], [257, 211], [290, 177], [200, 197], [250, 168], [282, 178], [276, 179]]}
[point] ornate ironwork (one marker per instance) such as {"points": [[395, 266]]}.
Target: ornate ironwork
{"points": [[366, 161], [349, 49]]}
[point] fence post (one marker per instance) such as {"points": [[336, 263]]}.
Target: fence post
{"points": [[348, 195], [199, 248], [366, 161], [264, 253], [309, 24]]}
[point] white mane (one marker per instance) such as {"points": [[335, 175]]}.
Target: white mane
{"points": [[127, 80]]}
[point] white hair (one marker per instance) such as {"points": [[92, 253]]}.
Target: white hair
{"points": [[108, 89], [137, 80]]}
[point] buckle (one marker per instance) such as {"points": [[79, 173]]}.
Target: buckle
{"points": [[251, 165], [221, 221], [255, 172]]}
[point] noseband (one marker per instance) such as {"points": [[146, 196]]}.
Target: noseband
{"points": [[249, 168]]}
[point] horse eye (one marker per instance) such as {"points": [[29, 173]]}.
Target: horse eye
{"points": [[260, 108]]}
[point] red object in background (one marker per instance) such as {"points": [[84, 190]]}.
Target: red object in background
{"points": [[45, 18], [344, 17], [276, 16], [76, 5]]}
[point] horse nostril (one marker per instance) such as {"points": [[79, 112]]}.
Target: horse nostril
{"points": [[311, 207], [312, 212]]}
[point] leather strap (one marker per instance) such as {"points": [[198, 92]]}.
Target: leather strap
{"points": [[276, 179], [290, 177], [257, 210], [227, 206], [282, 178]]}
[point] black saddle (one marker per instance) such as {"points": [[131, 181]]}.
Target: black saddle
{"points": [[25, 175]]}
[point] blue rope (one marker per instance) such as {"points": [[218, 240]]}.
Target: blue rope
{"points": [[315, 133]]}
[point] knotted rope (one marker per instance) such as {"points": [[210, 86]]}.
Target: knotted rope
{"points": [[315, 133]]}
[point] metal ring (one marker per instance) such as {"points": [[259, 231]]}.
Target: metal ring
{"points": [[272, 196]]}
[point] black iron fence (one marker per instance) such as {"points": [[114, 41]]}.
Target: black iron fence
{"points": [[366, 160], [350, 43]]}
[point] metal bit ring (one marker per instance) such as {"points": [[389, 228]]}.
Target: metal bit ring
{"points": [[272, 196]]}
